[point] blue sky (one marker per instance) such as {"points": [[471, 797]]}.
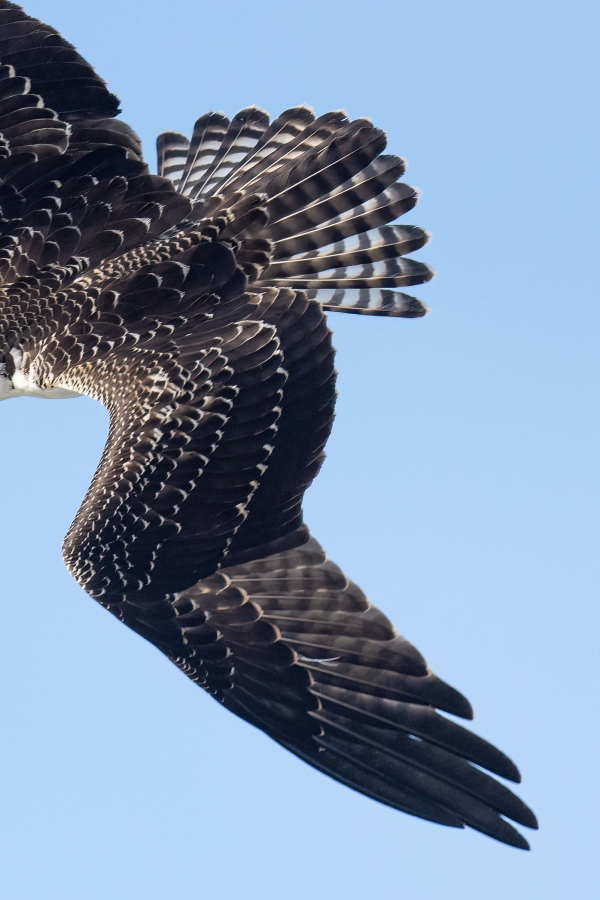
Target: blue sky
{"points": [[460, 491]]}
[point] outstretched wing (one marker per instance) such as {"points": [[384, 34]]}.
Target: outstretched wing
{"points": [[295, 648]]}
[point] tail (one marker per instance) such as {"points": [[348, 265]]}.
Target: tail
{"points": [[329, 193]]}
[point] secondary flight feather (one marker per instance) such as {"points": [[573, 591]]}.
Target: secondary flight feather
{"points": [[192, 303]]}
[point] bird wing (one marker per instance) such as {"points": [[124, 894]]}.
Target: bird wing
{"points": [[191, 303], [293, 647], [217, 427], [74, 189], [239, 596], [56, 71]]}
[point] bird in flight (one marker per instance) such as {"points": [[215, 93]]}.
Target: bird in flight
{"points": [[192, 304]]}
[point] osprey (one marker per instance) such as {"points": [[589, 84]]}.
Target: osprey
{"points": [[192, 304]]}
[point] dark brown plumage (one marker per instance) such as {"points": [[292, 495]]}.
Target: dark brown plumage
{"points": [[192, 304]]}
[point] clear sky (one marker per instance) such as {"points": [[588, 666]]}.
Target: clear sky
{"points": [[461, 488]]}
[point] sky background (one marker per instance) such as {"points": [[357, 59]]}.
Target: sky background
{"points": [[460, 491]]}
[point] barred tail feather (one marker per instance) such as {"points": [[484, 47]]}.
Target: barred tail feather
{"points": [[330, 195], [370, 302]]}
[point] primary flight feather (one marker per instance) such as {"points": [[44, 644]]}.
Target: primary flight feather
{"points": [[192, 304]]}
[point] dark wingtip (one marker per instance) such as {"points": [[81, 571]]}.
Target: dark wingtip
{"points": [[501, 764], [504, 832], [528, 818], [447, 699], [520, 843]]}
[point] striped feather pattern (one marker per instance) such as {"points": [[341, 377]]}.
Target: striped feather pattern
{"points": [[389, 242], [330, 194], [172, 149]]}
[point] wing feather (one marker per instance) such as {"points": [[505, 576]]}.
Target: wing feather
{"points": [[320, 670]]}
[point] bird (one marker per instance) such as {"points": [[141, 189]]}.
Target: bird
{"points": [[194, 303]]}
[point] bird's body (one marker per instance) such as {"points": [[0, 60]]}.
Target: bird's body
{"points": [[192, 305]]}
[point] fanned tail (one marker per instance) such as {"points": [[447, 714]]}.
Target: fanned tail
{"points": [[329, 193]]}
